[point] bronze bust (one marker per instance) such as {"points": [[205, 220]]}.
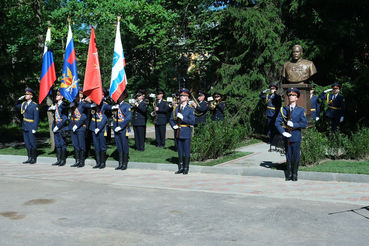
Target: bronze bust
{"points": [[298, 71]]}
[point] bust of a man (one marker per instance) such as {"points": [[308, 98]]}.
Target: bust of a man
{"points": [[298, 71]]}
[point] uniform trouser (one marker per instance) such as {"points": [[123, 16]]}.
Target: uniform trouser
{"points": [[184, 147], [293, 150], [59, 140], [271, 128], [121, 140], [78, 140], [139, 132], [29, 139], [160, 131], [99, 141], [334, 122]]}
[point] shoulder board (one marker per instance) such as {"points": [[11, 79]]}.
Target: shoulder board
{"points": [[34, 103], [105, 102], [223, 101], [164, 100]]}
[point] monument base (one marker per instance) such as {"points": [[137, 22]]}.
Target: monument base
{"points": [[304, 99]]}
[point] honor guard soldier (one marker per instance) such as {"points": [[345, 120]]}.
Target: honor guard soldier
{"points": [[161, 109], [291, 119], [122, 117], [315, 107], [201, 107], [29, 110], [97, 126], [217, 107], [181, 120], [78, 129], [139, 119], [336, 106], [273, 105], [60, 120], [107, 100]]}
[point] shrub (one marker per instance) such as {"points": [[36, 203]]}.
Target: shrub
{"points": [[313, 147], [216, 139], [358, 146]]}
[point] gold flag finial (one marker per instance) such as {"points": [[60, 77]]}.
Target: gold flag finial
{"points": [[68, 19], [118, 17]]}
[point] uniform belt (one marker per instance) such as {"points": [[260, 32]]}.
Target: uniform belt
{"points": [[28, 120], [75, 119], [292, 129], [270, 107], [333, 107], [96, 120], [184, 125], [313, 109]]}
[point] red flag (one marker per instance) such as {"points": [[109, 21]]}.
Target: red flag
{"points": [[92, 86]]}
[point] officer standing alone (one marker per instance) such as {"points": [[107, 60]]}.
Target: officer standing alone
{"points": [[139, 119], [29, 110], [291, 119]]}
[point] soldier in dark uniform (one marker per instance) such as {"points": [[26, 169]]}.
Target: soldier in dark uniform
{"points": [[273, 105], [60, 120], [97, 126], [78, 129], [315, 107], [29, 110], [139, 119], [181, 120], [201, 109], [107, 100], [336, 106], [122, 117], [161, 109], [291, 119], [217, 107]]}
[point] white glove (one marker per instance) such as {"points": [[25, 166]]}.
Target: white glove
{"points": [[117, 129], [170, 105], [21, 98], [55, 129], [97, 130], [317, 118], [286, 134], [265, 91], [51, 108], [33, 131], [175, 127], [290, 123], [328, 90], [74, 128], [115, 106], [179, 115], [93, 105], [71, 104], [341, 119]]}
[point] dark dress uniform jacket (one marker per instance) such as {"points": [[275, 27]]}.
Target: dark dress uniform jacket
{"points": [[336, 107], [30, 115], [79, 116], [273, 104], [188, 119], [315, 107], [298, 119], [124, 116], [218, 112], [139, 116], [202, 108], [60, 117], [161, 114]]}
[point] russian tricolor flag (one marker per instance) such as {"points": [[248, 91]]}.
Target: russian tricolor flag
{"points": [[118, 76], [48, 75], [69, 84]]}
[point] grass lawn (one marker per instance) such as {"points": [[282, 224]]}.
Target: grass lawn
{"points": [[341, 166]]}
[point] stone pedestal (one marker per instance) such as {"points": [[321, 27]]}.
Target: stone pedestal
{"points": [[304, 99]]}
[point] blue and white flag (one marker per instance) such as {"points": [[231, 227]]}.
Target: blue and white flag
{"points": [[118, 75]]}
